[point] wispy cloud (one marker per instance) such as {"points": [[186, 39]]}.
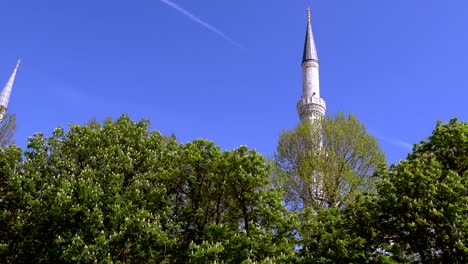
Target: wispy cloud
{"points": [[401, 143], [202, 23], [397, 142]]}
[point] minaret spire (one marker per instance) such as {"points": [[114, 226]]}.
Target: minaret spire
{"points": [[6, 92], [310, 52], [311, 106]]}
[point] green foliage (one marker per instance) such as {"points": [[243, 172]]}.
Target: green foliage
{"points": [[117, 193], [11, 202], [423, 201], [341, 235], [449, 144], [88, 196], [222, 206], [418, 215], [327, 163]]}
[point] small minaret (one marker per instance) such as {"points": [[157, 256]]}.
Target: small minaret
{"points": [[6, 92], [311, 106]]}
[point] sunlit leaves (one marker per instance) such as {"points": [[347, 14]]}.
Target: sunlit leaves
{"points": [[424, 200], [327, 162], [118, 193]]}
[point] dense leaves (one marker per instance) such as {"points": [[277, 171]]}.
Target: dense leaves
{"points": [[118, 193], [80, 196], [423, 201], [327, 162], [223, 209], [418, 215]]}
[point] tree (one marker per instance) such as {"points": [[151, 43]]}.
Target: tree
{"points": [[88, 195], [423, 201], [223, 209], [418, 214], [118, 193], [11, 203], [339, 235], [327, 162], [448, 143], [7, 129]]}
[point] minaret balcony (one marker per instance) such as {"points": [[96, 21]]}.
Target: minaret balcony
{"points": [[311, 108], [312, 100]]}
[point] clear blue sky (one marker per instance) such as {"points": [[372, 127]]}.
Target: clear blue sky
{"points": [[398, 65]]}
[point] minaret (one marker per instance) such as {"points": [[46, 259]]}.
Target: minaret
{"points": [[6, 92], [311, 106]]}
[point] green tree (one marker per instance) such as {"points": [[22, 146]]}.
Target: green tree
{"points": [[327, 162], [344, 235], [448, 143], [418, 214], [11, 203], [223, 209], [423, 201], [92, 194], [118, 193]]}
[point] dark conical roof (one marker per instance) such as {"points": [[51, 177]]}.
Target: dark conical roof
{"points": [[310, 52]]}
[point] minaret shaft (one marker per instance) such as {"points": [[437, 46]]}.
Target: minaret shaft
{"points": [[310, 79]]}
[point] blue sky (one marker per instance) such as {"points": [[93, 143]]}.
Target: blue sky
{"points": [[233, 76]]}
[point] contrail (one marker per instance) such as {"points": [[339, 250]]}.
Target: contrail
{"points": [[201, 22], [402, 143], [396, 142]]}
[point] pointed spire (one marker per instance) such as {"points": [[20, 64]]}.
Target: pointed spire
{"points": [[310, 52], [6, 92]]}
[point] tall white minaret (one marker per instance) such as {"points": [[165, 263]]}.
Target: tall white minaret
{"points": [[311, 106], [6, 92]]}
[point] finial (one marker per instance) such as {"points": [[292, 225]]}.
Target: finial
{"points": [[308, 13], [18, 64]]}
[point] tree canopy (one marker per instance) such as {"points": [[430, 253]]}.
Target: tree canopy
{"points": [[423, 201], [327, 162], [118, 193], [419, 213]]}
